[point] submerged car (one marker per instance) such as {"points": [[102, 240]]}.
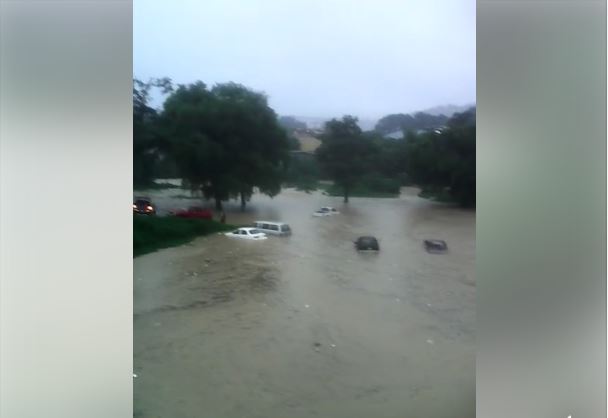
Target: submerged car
{"points": [[435, 246], [194, 212], [273, 228], [143, 206], [247, 233], [367, 243], [326, 211]]}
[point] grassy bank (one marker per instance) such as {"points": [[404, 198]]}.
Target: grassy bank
{"points": [[151, 233]]}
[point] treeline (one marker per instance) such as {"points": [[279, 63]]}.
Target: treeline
{"points": [[442, 162], [225, 142], [401, 122]]}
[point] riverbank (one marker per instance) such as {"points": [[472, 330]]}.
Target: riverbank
{"points": [[151, 233]]}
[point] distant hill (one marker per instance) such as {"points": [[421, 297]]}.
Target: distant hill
{"points": [[431, 118], [291, 123], [448, 110], [319, 123], [391, 124]]}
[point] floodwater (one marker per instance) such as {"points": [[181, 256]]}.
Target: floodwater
{"points": [[305, 326]]}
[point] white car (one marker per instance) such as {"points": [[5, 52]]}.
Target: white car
{"points": [[326, 211], [247, 233]]}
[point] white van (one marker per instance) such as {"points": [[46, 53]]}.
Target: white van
{"points": [[273, 228]]}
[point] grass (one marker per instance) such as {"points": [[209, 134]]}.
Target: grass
{"points": [[151, 233]]}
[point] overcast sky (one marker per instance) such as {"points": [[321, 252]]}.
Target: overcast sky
{"points": [[315, 58]]}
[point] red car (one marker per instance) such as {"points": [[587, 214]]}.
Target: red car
{"points": [[194, 213]]}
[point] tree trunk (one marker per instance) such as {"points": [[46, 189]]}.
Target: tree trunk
{"points": [[346, 195], [243, 201], [218, 203]]}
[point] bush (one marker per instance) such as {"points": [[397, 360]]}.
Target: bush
{"points": [[151, 233]]}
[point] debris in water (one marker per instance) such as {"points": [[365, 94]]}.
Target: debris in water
{"points": [[435, 246], [157, 324], [134, 375], [307, 306], [317, 344], [332, 345], [430, 341], [398, 300]]}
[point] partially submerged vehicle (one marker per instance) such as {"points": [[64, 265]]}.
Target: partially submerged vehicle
{"points": [[247, 233], [326, 211], [367, 243], [435, 246], [273, 228]]}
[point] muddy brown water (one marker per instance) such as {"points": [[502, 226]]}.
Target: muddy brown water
{"points": [[305, 326]]}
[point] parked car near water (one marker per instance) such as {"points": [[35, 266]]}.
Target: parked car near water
{"points": [[247, 233], [143, 206], [273, 228]]}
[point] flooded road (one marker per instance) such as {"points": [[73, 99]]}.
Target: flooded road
{"points": [[305, 326]]}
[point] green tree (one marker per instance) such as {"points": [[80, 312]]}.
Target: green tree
{"points": [[344, 153], [226, 141], [445, 162], [147, 139]]}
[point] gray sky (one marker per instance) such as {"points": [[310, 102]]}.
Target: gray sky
{"points": [[316, 58]]}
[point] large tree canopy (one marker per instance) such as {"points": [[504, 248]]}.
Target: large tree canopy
{"points": [[226, 140], [445, 162]]}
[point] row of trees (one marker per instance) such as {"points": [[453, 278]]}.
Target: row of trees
{"points": [[442, 163], [226, 141], [418, 121]]}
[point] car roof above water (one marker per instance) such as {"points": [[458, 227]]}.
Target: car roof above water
{"points": [[270, 222], [367, 238]]}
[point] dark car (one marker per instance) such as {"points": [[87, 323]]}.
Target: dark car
{"points": [[435, 246], [194, 212], [367, 244], [144, 206]]}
